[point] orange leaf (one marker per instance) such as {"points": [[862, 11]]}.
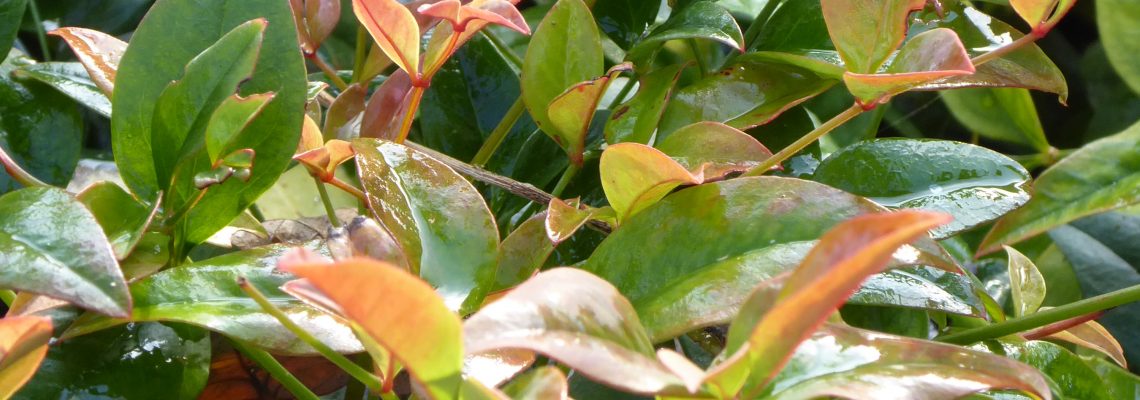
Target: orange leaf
{"points": [[927, 57], [465, 22], [1092, 335], [395, 30], [563, 218], [23, 345], [323, 161], [97, 51], [311, 137]]}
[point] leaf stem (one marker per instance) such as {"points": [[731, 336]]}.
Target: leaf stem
{"points": [[567, 176], [339, 184], [361, 54], [328, 71], [499, 133], [19, 174], [806, 140], [410, 115], [503, 48], [1045, 317], [697, 56], [372, 381], [983, 58], [275, 369], [40, 35], [327, 202]]}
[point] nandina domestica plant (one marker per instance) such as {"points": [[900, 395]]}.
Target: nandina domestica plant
{"points": [[550, 199]]}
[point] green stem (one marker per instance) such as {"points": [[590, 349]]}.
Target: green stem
{"points": [[1045, 317], [328, 71], [372, 381], [19, 174], [515, 61], [697, 56], [567, 176], [7, 296], [255, 211], [389, 396], [499, 133], [327, 202], [41, 36], [275, 369], [361, 55], [806, 140]]}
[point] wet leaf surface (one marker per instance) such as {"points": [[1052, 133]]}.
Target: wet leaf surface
{"points": [[42, 129], [72, 80], [565, 49], [523, 252], [697, 20], [927, 57], [99, 53], [1067, 374], [1005, 114], [123, 218]]}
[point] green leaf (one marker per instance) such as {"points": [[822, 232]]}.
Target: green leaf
{"points": [[794, 26], [1027, 286], [866, 32], [53, 246], [11, 13], [151, 63], [1116, 21], [566, 49], [858, 364], [48, 136], [72, 80], [974, 184], [452, 244], [398, 311], [142, 360], [1067, 374], [636, 120], [578, 319], [229, 120], [523, 252], [927, 57], [1005, 114], [1118, 381], [652, 252], [749, 93], [1027, 67], [634, 176], [123, 218], [1100, 176], [206, 294], [626, 21], [572, 112], [698, 20], [544, 383]]}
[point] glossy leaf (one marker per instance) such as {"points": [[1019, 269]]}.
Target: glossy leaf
{"points": [[1098, 177], [322, 162], [1067, 374], [713, 149], [98, 52], [974, 184], [566, 49], [464, 21], [563, 218], [866, 32], [869, 365], [1026, 283], [1041, 14], [11, 13], [440, 220], [173, 361], [578, 319], [748, 93], [1005, 114], [1026, 67], [206, 294], [545, 383], [400, 312], [1115, 19], [315, 21], [52, 245], [1119, 382], [42, 130], [636, 120], [151, 63], [386, 108], [1092, 335], [23, 345], [572, 111], [523, 252], [626, 22], [698, 20], [123, 218], [394, 29], [927, 57], [348, 105], [634, 176], [229, 120], [72, 80], [652, 253]]}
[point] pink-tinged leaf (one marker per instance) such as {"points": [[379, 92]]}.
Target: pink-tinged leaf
{"points": [[929, 56], [395, 30], [1042, 15], [866, 32], [772, 323], [523, 252], [23, 345], [97, 51], [400, 312], [386, 107], [322, 161], [1092, 335], [492, 368], [580, 320], [714, 150], [634, 176], [316, 20], [464, 22], [347, 106], [571, 112]]}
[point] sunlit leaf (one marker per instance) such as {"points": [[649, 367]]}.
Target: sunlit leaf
{"points": [[395, 31], [927, 57], [866, 32], [228, 121], [636, 120], [399, 311], [1100, 176], [99, 52], [572, 111], [315, 21], [634, 176], [698, 20], [464, 21], [1006, 114], [565, 50], [545, 383], [71, 79], [311, 137], [439, 219], [386, 108], [523, 252], [23, 344], [578, 319], [123, 218], [323, 161], [1027, 286], [713, 149], [1092, 335]]}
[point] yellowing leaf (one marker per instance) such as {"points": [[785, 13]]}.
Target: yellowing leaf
{"points": [[395, 30], [23, 345], [927, 57], [400, 312], [563, 218], [713, 149], [1027, 286], [866, 31], [311, 137], [322, 161], [1092, 335], [98, 51], [635, 176], [571, 112]]}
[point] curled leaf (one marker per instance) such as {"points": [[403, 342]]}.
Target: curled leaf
{"points": [[571, 112], [23, 345], [866, 32], [323, 161], [927, 57], [98, 51]]}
